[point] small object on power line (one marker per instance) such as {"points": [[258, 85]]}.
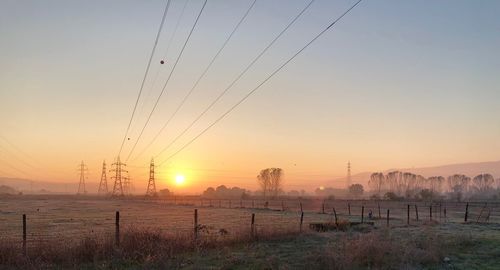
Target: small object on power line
{"points": [[128, 139], [162, 62]]}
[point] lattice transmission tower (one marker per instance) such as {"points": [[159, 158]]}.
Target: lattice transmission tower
{"points": [[151, 191], [103, 185], [118, 189], [348, 179], [82, 168]]}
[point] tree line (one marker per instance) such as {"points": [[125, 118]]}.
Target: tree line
{"points": [[458, 186]]}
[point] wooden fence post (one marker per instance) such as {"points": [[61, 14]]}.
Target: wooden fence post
{"points": [[323, 208], [349, 208], [387, 217], [466, 212], [379, 215], [430, 212], [301, 220], [24, 234], [444, 213], [416, 212], [335, 214], [117, 228], [481, 213], [195, 224], [362, 213], [301, 207], [252, 227], [408, 215]]}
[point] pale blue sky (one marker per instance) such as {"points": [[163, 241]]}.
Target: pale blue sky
{"points": [[394, 84]]}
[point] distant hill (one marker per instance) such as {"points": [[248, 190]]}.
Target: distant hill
{"points": [[28, 186]]}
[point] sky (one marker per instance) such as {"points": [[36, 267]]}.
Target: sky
{"points": [[395, 84]]}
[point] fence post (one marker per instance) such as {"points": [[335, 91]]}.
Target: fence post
{"points": [[416, 212], [301, 207], [440, 210], [379, 215], [301, 220], [387, 217], [323, 208], [24, 234], [362, 213], [408, 215], [466, 212], [430, 212], [335, 214], [252, 227], [117, 228], [349, 208], [195, 224], [444, 213]]}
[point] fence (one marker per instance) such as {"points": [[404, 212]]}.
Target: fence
{"points": [[72, 220]]}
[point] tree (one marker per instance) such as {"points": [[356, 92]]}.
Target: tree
{"points": [[458, 184], [436, 184], [356, 190], [270, 181], [276, 181], [264, 181], [377, 182], [483, 183]]}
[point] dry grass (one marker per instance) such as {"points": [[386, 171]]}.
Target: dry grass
{"points": [[380, 250], [138, 246]]}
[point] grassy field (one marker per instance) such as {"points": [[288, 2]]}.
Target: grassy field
{"points": [[77, 232]]}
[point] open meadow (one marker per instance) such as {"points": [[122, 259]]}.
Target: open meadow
{"points": [[226, 238]]}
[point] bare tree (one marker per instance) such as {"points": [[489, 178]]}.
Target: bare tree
{"points": [[377, 182], [264, 180], [270, 181], [483, 183], [436, 184], [458, 184], [393, 179], [276, 177]]}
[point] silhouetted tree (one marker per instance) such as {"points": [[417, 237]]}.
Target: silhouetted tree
{"points": [[483, 183], [356, 190], [377, 182], [270, 181]]}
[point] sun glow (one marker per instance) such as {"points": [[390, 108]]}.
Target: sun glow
{"points": [[180, 179]]}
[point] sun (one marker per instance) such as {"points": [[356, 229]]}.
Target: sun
{"points": [[179, 179]]}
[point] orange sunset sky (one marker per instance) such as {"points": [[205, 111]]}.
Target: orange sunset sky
{"points": [[395, 84]]}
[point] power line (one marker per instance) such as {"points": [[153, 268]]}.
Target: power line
{"points": [[145, 75], [186, 97], [262, 83], [153, 84], [168, 79], [236, 79]]}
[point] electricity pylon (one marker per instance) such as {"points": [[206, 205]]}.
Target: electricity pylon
{"points": [[103, 185], [81, 186], [151, 191], [348, 180], [118, 169]]}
